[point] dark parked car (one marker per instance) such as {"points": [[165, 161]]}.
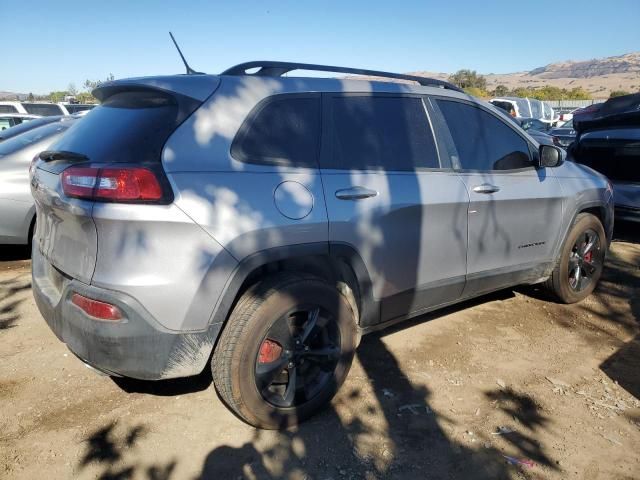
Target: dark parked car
{"points": [[565, 134], [610, 143]]}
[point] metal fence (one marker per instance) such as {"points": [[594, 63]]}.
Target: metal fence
{"points": [[556, 104]]}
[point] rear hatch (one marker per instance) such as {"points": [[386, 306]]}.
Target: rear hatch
{"points": [[125, 134]]}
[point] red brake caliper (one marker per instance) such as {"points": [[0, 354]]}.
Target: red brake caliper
{"points": [[270, 351], [587, 256]]}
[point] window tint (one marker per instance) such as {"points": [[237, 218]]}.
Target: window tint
{"points": [[8, 109], [484, 142], [392, 133], [5, 123], [44, 109], [283, 131]]}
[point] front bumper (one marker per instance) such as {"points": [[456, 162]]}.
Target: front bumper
{"points": [[137, 346]]}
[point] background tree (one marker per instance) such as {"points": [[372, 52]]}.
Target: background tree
{"points": [[468, 79], [30, 97], [617, 93], [501, 91], [72, 89], [477, 92]]}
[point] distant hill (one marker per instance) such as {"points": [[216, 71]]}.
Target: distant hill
{"points": [[12, 96], [597, 76]]}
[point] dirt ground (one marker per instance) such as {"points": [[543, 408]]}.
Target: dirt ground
{"points": [[450, 395]]}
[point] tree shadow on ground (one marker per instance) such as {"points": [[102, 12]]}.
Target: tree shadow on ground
{"points": [[393, 433], [9, 291]]}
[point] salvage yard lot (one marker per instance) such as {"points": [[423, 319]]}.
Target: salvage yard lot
{"points": [[448, 395]]}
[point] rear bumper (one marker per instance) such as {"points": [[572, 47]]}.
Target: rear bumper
{"points": [[137, 346]]}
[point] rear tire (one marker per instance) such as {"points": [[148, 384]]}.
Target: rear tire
{"points": [[581, 260], [285, 350]]}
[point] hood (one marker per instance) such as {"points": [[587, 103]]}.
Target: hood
{"points": [[621, 111]]}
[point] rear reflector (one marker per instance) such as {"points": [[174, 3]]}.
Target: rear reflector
{"points": [[96, 309], [128, 184]]}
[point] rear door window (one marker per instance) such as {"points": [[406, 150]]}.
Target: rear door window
{"points": [[483, 142], [282, 130], [380, 132]]}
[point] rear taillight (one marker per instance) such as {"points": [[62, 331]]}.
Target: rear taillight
{"points": [[125, 184], [96, 308]]}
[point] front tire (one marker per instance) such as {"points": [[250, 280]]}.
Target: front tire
{"points": [[286, 349], [581, 260]]}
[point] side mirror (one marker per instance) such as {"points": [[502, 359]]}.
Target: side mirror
{"points": [[549, 156]]}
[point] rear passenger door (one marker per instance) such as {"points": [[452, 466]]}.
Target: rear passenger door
{"points": [[515, 209], [390, 199]]}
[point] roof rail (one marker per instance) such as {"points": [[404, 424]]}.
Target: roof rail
{"points": [[277, 69]]}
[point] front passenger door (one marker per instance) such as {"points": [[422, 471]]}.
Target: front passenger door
{"points": [[515, 209]]}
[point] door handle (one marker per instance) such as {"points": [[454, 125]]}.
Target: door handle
{"points": [[486, 188], [355, 193]]}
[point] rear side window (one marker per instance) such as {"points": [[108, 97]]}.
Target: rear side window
{"points": [[379, 132], [129, 127], [8, 109], [44, 109], [284, 130], [483, 142]]}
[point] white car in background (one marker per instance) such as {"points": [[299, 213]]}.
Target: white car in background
{"points": [[43, 109], [526, 108]]}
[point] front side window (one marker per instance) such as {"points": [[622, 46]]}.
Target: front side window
{"points": [[379, 132], [483, 142], [284, 130]]}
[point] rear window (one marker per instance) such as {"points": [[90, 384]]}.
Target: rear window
{"points": [[44, 109], [30, 137], [283, 131], [390, 133], [129, 127], [8, 109]]}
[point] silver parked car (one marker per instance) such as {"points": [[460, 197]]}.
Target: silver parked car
{"points": [[17, 210], [259, 224]]}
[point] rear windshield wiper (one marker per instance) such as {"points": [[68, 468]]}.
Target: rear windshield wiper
{"points": [[51, 155]]}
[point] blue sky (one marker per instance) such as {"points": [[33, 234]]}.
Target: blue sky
{"points": [[48, 44]]}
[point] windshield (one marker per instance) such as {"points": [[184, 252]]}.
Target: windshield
{"points": [[568, 124], [536, 108], [44, 109], [32, 136]]}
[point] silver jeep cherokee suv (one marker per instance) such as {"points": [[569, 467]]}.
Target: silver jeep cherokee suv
{"points": [[261, 223]]}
